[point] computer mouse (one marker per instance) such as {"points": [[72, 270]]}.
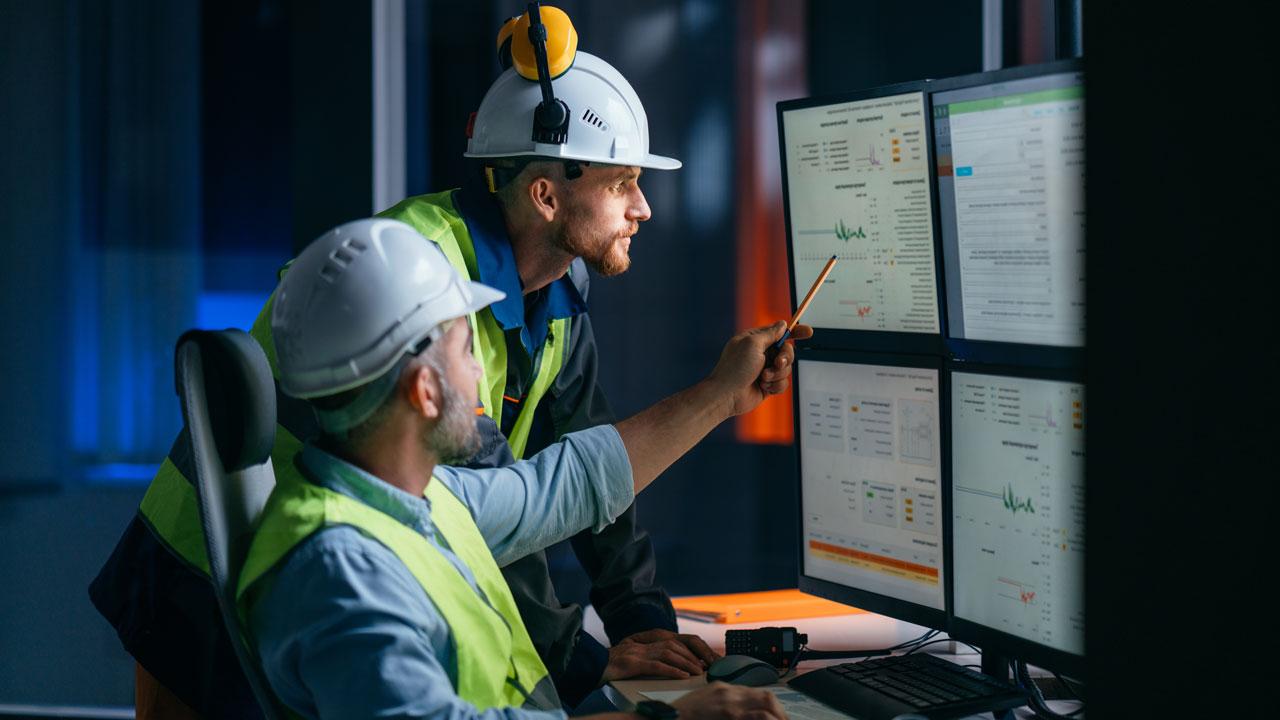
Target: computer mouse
{"points": [[742, 670]]}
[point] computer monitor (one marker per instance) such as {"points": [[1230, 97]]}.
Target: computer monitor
{"points": [[872, 520], [1018, 514], [856, 185], [1009, 150]]}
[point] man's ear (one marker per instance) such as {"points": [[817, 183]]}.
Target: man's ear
{"points": [[423, 388], [544, 198]]}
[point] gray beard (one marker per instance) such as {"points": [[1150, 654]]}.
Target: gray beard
{"points": [[455, 438]]}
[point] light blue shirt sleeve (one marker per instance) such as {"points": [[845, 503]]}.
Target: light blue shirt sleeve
{"points": [[345, 631], [582, 481]]}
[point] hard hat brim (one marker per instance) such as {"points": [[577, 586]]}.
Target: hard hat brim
{"points": [[650, 161], [660, 162], [482, 296]]}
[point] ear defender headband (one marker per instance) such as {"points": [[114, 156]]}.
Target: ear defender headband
{"points": [[541, 45]]}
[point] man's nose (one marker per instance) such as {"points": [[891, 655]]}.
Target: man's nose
{"points": [[638, 210]]}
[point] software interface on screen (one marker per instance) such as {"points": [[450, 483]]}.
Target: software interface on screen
{"points": [[870, 479], [858, 188], [1018, 506], [1010, 160]]}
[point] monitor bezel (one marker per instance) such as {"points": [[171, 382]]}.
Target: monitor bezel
{"points": [[870, 340], [904, 610], [993, 351], [987, 638]]}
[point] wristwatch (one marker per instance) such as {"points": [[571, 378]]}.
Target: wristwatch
{"points": [[656, 710]]}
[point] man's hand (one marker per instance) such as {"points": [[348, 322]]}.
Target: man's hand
{"points": [[741, 373], [658, 653], [656, 437], [719, 701]]}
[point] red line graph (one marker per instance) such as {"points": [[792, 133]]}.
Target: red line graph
{"points": [[1024, 596]]}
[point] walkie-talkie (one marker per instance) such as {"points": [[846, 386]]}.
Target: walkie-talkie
{"points": [[778, 646]]}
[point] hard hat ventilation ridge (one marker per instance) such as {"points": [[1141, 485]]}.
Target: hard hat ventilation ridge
{"points": [[341, 257], [591, 118]]}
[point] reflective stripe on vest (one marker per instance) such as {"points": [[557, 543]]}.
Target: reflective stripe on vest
{"points": [[436, 217], [170, 508], [497, 663]]}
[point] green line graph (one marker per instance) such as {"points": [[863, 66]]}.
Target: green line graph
{"points": [[845, 233], [1015, 504]]}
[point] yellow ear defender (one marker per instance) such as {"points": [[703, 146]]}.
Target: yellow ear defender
{"points": [[504, 41], [515, 49], [541, 45]]}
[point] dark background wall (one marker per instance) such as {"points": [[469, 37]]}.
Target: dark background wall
{"points": [[1183, 358]]}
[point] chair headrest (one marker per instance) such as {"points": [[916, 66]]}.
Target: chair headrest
{"points": [[240, 393]]}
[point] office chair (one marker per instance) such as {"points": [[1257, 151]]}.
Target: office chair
{"points": [[229, 404]]}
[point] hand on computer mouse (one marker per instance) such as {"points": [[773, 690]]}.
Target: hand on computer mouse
{"points": [[719, 701]]}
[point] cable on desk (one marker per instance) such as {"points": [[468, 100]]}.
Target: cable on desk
{"points": [[1067, 683], [1036, 702], [935, 642], [804, 653]]}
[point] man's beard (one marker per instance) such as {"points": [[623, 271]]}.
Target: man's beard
{"points": [[454, 439], [605, 257]]}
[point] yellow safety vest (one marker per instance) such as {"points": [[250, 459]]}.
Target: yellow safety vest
{"points": [[169, 506], [436, 217], [497, 663]]}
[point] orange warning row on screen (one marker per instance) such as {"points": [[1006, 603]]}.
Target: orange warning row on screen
{"points": [[879, 562]]}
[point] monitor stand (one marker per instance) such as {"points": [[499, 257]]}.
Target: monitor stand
{"points": [[997, 666]]}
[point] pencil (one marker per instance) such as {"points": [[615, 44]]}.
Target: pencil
{"points": [[808, 298]]}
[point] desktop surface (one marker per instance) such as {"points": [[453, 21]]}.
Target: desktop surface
{"points": [[861, 631]]}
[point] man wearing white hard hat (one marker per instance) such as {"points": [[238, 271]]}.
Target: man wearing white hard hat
{"points": [[371, 587], [555, 190], [560, 154]]}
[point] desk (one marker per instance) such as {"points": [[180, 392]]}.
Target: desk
{"points": [[865, 631]]}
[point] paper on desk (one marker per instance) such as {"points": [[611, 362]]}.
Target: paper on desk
{"points": [[798, 705]]}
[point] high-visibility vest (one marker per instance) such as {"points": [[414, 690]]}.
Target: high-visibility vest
{"points": [[169, 506], [497, 663], [436, 217]]}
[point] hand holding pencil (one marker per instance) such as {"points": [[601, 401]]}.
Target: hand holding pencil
{"points": [[793, 328]]}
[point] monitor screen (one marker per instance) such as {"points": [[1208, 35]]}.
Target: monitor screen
{"points": [[857, 187], [1010, 160], [1018, 507], [870, 479]]}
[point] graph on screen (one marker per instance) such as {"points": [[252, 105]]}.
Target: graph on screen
{"points": [[870, 478], [858, 188], [1018, 506]]}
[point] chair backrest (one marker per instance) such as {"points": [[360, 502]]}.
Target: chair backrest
{"points": [[229, 404]]}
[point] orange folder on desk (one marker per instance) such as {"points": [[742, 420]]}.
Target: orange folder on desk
{"points": [[754, 607]]}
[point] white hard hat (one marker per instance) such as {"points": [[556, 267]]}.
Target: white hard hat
{"points": [[357, 299], [607, 123]]}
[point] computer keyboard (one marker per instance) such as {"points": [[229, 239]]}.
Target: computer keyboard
{"points": [[919, 683]]}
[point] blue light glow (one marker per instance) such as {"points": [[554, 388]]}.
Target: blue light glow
{"points": [[120, 473], [220, 310]]}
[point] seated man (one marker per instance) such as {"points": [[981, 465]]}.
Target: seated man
{"points": [[372, 587]]}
